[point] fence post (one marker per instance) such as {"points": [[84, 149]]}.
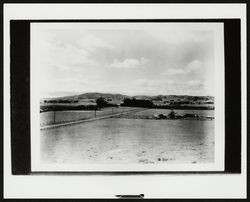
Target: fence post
{"points": [[54, 116]]}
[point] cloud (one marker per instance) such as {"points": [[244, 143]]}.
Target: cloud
{"points": [[129, 63], [166, 61], [90, 43], [180, 36], [153, 82], [168, 86], [152, 86], [194, 83], [175, 71], [189, 68], [65, 58], [194, 65]]}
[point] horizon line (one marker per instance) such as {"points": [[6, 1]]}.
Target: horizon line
{"points": [[76, 94]]}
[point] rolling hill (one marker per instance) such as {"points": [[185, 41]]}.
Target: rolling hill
{"points": [[95, 95]]}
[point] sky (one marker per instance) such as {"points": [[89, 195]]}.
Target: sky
{"points": [[131, 59]]}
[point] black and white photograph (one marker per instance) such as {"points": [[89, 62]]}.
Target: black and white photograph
{"points": [[126, 96], [123, 100]]}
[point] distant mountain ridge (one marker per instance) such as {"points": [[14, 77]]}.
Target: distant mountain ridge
{"points": [[114, 96]]}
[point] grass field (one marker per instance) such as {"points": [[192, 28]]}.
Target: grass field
{"points": [[48, 118], [201, 113]]}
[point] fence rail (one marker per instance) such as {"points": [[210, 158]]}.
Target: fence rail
{"points": [[60, 117]]}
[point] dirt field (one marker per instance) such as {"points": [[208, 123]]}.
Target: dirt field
{"points": [[118, 140]]}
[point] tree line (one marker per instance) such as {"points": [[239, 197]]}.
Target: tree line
{"points": [[137, 103], [128, 102]]}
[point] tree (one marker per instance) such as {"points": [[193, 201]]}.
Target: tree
{"points": [[101, 102], [137, 103], [158, 98]]}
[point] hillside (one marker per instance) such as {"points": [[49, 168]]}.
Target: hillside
{"points": [[95, 95], [92, 95], [87, 101]]}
